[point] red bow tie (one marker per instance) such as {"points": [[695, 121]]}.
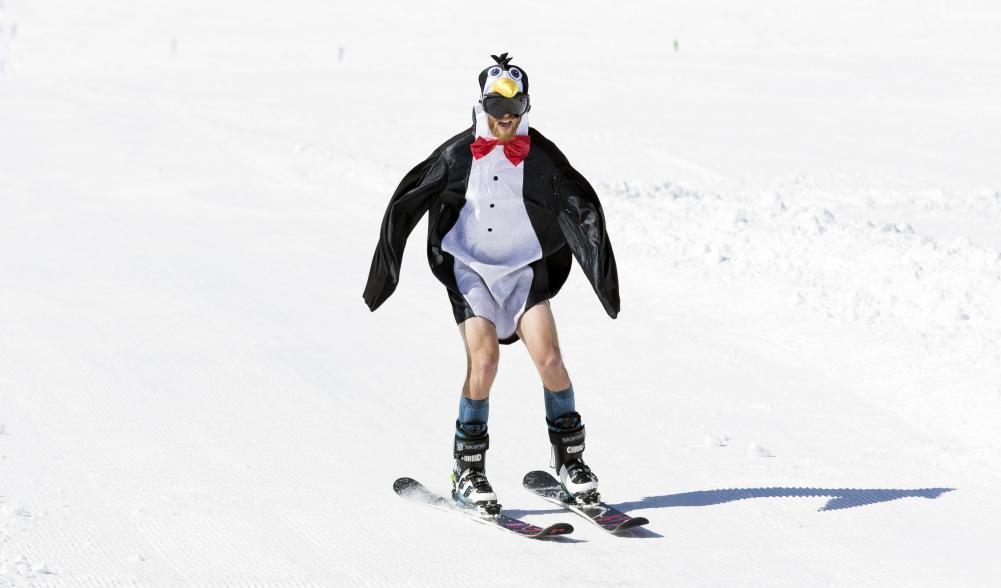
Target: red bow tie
{"points": [[516, 149]]}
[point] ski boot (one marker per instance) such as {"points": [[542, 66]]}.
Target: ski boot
{"points": [[580, 485], [470, 487]]}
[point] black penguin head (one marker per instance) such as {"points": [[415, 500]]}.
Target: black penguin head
{"points": [[492, 78]]}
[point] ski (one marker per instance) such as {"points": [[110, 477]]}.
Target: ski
{"points": [[609, 518], [413, 490]]}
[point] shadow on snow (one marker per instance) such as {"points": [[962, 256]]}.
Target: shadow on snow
{"points": [[840, 498]]}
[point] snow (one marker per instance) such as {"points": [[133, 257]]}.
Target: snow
{"points": [[804, 201]]}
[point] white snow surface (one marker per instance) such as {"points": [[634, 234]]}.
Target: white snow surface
{"points": [[803, 387]]}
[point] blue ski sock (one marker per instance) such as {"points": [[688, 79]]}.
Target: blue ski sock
{"points": [[558, 404], [473, 415]]}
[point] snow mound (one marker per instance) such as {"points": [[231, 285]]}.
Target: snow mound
{"points": [[855, 271], [716, 440], [755, 450]]}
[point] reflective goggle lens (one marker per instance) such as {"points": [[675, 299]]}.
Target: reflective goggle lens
{"points": [[497, 106]]}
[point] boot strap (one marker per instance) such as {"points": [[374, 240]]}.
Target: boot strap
{"points": [[568, 444], [471, 451]]}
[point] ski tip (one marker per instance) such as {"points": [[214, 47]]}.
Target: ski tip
{"points": [[537, 479], [556, 530], [404, 485], [632, 523]]}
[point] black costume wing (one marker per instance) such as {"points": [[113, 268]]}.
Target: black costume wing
{"points": [[583, 225], [412, 198], [582, 222]]}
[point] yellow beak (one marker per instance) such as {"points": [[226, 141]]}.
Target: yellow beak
{"points": [[506, 87]]}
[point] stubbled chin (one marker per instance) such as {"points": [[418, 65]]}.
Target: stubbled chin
{"points": [[503, 134]]}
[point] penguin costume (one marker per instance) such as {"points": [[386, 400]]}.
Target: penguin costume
{"points": [[504, 218]]}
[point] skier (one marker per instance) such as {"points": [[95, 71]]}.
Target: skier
{"points": [[506, 212]]}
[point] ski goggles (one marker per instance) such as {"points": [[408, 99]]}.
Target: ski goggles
{"points": [[497, 106]]}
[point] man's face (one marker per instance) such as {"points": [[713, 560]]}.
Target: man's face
{"points": [[504, 127]]}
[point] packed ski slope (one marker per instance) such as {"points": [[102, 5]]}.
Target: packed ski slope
{"points": [[803, 387]]}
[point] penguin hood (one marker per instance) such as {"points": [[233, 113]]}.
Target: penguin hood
{"points": [[503, 78]]}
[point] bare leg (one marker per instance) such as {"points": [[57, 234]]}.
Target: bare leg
{"points": [[482, 356], [537, 329], [566, 432], [469, 482]]}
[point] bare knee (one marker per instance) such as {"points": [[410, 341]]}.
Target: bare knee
{"points": [[483, 362], [550, 361]]}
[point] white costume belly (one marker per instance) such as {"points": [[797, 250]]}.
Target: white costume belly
{"points": [[493, 242]]}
